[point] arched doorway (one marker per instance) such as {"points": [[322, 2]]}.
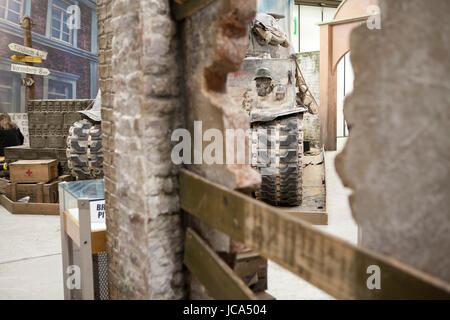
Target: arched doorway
{"points": [[334, 45], [345, 77]]}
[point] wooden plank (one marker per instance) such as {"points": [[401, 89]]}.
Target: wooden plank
{"points": [[14, 191], [329, 263], [51, 191], [4, 186], [215, 275], [188, 7], [29, 208], [345, 20], [65, 178], [36, 208], [98, 241], [6, 203], [72, 227], [40, 192], [319, 3], [315, 218]]}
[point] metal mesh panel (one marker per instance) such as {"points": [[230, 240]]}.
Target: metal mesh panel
{"points": [[100, 269]]}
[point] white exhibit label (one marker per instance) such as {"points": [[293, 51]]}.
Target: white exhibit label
{"points": [[97, 211]]}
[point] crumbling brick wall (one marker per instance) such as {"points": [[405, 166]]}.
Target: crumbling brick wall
{"points": [[139, 79], [104, 14], [143, 94], [309, 65], [215, 41]]}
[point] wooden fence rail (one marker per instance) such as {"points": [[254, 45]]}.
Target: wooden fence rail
{"points": [[329, 263]]}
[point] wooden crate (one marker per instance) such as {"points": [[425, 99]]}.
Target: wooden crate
{"points": [[4, 185], [252, 269], [38, 192], [33, 170], [16, 153], [29, 208], [41, 191]]}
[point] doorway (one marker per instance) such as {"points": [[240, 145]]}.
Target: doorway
{"points": [[345, 78]]}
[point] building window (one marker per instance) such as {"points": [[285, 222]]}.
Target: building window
{"points": [[9, 92], [6, 95], [60, 89], [60, 30], [11, 10]]}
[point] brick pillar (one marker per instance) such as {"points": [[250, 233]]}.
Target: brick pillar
{"points": [[139, 79]]}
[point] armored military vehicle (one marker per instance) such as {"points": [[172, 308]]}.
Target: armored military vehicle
{"points": [[274, 94]]}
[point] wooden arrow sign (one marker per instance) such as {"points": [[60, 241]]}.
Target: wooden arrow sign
{"points": [[26, 59], [30, 70], [27, 51]]}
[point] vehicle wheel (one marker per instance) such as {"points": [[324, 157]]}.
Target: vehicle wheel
{"points": [[277, 151], [84, 150]]}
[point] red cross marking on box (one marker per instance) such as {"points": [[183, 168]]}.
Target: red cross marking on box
{"points": [[29, 172]]}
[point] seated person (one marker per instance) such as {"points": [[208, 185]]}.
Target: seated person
{"points": [[10, 134]]}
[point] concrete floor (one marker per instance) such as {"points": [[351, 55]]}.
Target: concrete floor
{"points": [[30, 250], [30, 257]]}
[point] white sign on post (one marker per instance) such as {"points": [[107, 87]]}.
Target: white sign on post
{"points": [[28, 51], [97, 211], [30, 70]]}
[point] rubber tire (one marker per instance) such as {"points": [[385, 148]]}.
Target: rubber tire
{"points": [[84, 150], [279, 160]]}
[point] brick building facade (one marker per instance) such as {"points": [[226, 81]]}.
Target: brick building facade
{"points": [[72, 54]]}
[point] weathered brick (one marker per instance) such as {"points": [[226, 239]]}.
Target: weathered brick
{"points": [[138, 210]]}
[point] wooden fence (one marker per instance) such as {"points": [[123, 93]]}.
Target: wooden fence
{"points": [[329, 263]]}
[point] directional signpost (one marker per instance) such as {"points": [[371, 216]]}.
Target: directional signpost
{"points": [[29, 56], [27, 51], [26, 59], [29, 70]]}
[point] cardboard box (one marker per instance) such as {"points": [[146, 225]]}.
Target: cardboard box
{"points": [[33, 171]]}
